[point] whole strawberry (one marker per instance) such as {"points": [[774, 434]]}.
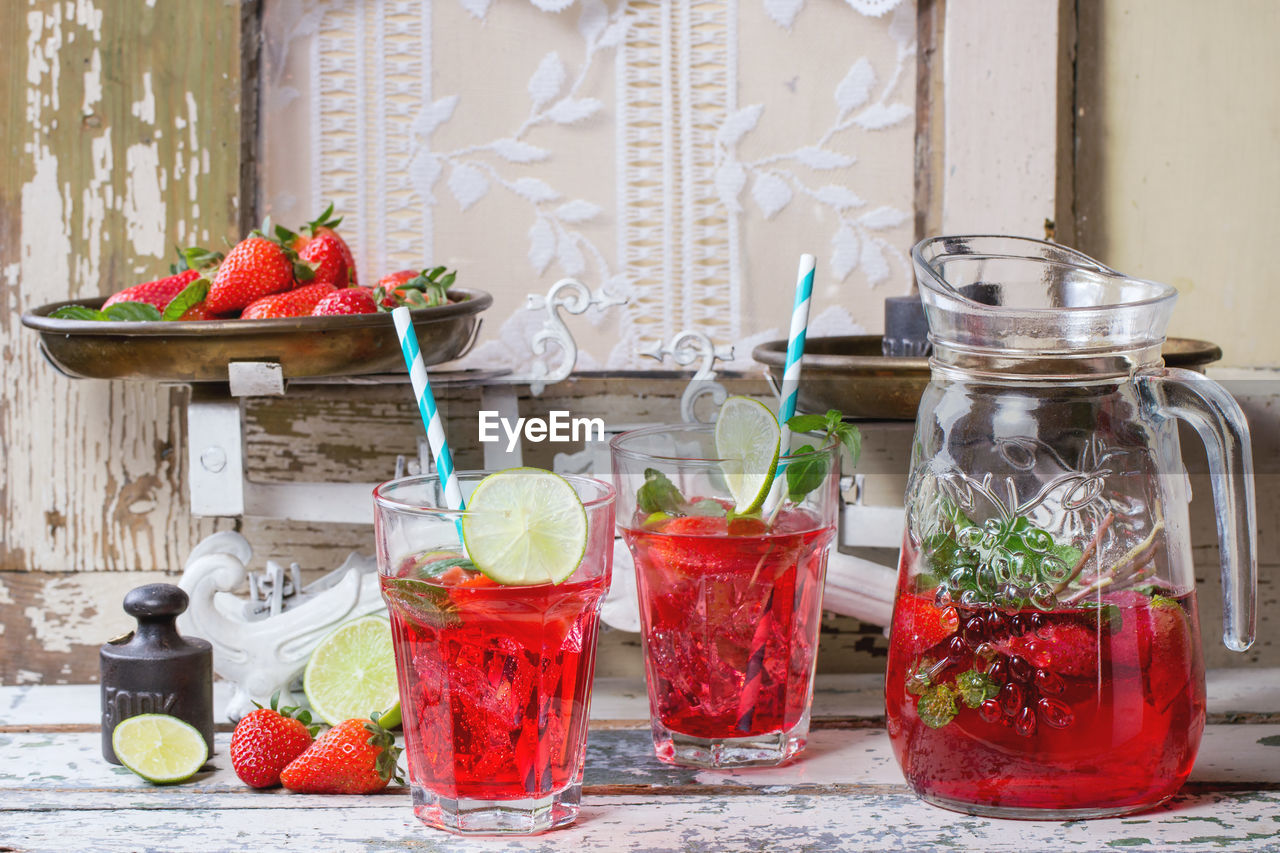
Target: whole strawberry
{"points": [[199, 311], [326, 251], [298, 302], [1066, 648], [158, 293], [415, 288], [354, 757], [351, 300], [256, 267], [266, 740]]}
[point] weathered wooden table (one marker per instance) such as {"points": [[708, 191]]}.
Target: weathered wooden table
{"points": [[846, 793]]}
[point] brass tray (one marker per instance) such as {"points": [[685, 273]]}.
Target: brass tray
{"points": [[850, 374], [199, 351]]}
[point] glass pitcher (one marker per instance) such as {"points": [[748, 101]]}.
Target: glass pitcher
{"points": [[1044, 656]]}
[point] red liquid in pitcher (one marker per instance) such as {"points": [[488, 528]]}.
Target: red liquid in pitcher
{"points": [[494, 682], [1099, 707], [713, 591]]}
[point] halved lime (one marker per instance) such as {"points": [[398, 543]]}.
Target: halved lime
{"points": [[525, 526], [159, 748], [352, 673], [747, 438]]}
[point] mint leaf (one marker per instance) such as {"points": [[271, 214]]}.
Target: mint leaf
{"points": [[919, 681], [975, 687], [803, 476], [806, 473], [439, 567], [937, 706], [78, 312], [658, 494], [851, 437], [133, 312], [807, 423], [191, 295]]}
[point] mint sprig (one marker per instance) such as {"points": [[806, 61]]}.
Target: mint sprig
{"points": [[807, 473], [659, 494]]}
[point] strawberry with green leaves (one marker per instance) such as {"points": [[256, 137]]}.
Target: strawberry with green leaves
{"points": [[257, 266], [350, 300], [266, 740], [299, 302], [320, 245], [354, 757], [415, 288], [158, 293]]}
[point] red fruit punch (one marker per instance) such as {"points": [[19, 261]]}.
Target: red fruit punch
{"points": [[1075, 708], [713, 595], [493, 681]]}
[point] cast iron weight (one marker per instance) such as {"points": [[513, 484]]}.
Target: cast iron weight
{"points": [[154, 670]]}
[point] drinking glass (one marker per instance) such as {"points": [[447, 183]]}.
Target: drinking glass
{"points": [[730, 606], [495, 681]]}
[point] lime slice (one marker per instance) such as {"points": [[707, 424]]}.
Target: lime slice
{"points": [[352, 673], [525, 526], [159, 748], [747, 437]]}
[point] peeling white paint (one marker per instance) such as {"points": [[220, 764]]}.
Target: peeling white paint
{"points": [[92, 83], [45, 235], [89, 16], [5, 598], [80, 609], [145, 109], [144, 206], [193, 115], [93, 204], [42, 60]]}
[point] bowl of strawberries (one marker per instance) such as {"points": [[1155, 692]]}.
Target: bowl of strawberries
{"points": [[278, 295]]}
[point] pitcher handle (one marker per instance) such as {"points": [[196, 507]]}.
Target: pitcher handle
{"points": [[1221, 424]]}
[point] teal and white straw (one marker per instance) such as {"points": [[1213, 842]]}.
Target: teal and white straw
{"points": [[795, 348], [427, 407], [790, 390]]}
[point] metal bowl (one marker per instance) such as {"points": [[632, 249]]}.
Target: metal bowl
{"points": [[199, 351], [849, 373]]}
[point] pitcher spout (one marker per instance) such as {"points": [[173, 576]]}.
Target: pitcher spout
{"points": [[1019, 307]]}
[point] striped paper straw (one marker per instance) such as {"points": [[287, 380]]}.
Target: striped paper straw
{"points": [[790, 390], [427, 408], [795, 347], [753, 678]]}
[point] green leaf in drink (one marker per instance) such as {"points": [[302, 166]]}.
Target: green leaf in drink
{"points": [[975, 687], [659, 494], [806, 473], [937, 706]]}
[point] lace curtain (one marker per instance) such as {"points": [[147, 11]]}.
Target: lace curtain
{"points": [[679, 154]]}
